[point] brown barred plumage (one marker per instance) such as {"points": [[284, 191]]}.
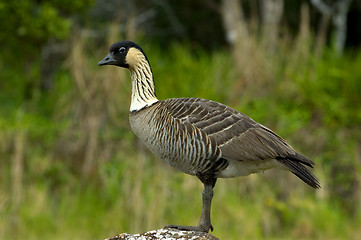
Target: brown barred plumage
{"points": [[201, 137]]}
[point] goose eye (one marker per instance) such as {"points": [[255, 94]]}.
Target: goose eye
{"points": [[122, 49]]}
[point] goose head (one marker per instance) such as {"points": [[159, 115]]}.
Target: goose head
{"points": [[124, 54]]}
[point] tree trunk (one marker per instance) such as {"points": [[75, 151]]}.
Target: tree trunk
{"points": [[233, 21], [18, 169], [236, 32], [322, 33], [340, 23], [338, 12], [272, 11]]}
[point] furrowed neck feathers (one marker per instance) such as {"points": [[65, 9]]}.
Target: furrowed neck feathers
{"points": [[143, 91]]}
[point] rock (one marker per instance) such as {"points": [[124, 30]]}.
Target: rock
{"points": [[165, 234]]}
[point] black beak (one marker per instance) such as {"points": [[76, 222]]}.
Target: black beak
{"points": [[108, 60]]}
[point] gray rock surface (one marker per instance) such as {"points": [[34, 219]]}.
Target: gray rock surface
{"points": [[165, 234]]}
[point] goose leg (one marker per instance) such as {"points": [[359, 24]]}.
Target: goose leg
{"points": [[204, 224]]}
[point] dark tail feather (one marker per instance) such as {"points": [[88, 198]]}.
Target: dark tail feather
{"points": [[300, 171]]}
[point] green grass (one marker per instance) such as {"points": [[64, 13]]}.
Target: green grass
{"points": [[314, 103]]}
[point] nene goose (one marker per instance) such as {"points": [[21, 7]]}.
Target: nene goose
{"points": [[201, 137]]}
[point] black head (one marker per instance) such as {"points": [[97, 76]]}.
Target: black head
{"points": [[118, 52]]}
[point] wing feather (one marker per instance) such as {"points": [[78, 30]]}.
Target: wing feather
{"points": [[237, 135]]}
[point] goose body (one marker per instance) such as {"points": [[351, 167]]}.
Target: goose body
{"points": [[201, 137], [197, 135]]}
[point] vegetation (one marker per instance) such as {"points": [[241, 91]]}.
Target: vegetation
{"points": [[71, 168]]}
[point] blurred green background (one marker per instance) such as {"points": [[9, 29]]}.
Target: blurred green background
{"points": [[70, 167]]}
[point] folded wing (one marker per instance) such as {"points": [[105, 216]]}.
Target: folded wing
{"points": [[238, 136]]}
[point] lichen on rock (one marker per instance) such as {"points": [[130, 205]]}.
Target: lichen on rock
{"points": [[165, 234]]}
